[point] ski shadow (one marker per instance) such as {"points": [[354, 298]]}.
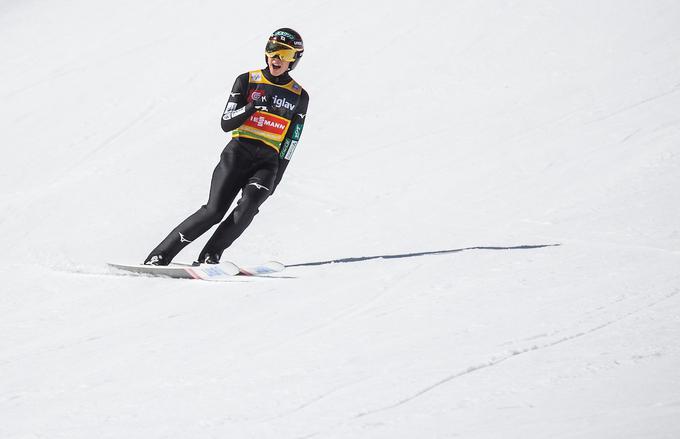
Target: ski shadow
{"points": [[418, 254]]}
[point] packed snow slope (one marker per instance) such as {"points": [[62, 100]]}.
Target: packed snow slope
{"points": [[497, 183]]}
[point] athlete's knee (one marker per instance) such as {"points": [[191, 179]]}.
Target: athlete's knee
{"points": [[245, 211], [249, 205], [212, 214]]}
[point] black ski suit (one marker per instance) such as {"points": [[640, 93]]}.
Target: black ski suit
{"points": [[266, 114]]}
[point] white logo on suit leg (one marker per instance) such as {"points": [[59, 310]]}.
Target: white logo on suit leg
{"points": [[258, 186]]}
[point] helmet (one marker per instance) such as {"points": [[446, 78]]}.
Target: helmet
{"points": [[287, 45]]}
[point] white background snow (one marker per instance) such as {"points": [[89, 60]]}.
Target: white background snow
{"points": [[432, 126]]}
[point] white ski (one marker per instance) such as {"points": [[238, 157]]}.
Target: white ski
{"points": [[214, 272]]}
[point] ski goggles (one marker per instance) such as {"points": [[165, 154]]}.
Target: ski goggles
{"points": [[283, 51]]}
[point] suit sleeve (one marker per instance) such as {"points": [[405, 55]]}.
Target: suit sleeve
{"points": [[238, 110], [292, 137]]}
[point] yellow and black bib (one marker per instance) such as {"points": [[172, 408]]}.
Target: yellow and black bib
{"points": [[270, 127]]}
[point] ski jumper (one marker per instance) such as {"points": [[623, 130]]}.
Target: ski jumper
{"points": [[266, 115]]}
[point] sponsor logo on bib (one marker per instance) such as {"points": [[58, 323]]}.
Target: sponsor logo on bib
{"points": [[282, 102]]}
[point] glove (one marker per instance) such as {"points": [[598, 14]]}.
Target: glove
{"points": [[260, 100]]}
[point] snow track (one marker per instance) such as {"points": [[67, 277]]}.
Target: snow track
{"points": [[480, 224]]}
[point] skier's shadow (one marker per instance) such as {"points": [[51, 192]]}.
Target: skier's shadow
{"points": [[418, 254]]}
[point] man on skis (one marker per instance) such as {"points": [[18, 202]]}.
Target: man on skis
{"points": [[266, 113]]}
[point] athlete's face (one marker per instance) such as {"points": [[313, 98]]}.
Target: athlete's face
{"points": [[277, 66]]}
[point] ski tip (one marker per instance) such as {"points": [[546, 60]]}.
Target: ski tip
{"points": [[276, 265], [267, 268]]}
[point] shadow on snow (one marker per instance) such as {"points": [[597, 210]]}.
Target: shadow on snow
{"points": [[414, 255]]}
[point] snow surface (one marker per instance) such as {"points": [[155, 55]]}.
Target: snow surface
{"points": [[520, 161]]}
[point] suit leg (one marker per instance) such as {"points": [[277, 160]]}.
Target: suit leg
{"points": [[255, 192], [227, 180]]}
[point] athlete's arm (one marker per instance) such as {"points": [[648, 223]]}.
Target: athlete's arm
{"points": [[292, 137], [238, 110]]}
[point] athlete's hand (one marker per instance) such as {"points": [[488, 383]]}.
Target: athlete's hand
{"points": [[261, 101]]}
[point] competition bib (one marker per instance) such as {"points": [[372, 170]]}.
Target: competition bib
{"points": [[270, 127]]}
